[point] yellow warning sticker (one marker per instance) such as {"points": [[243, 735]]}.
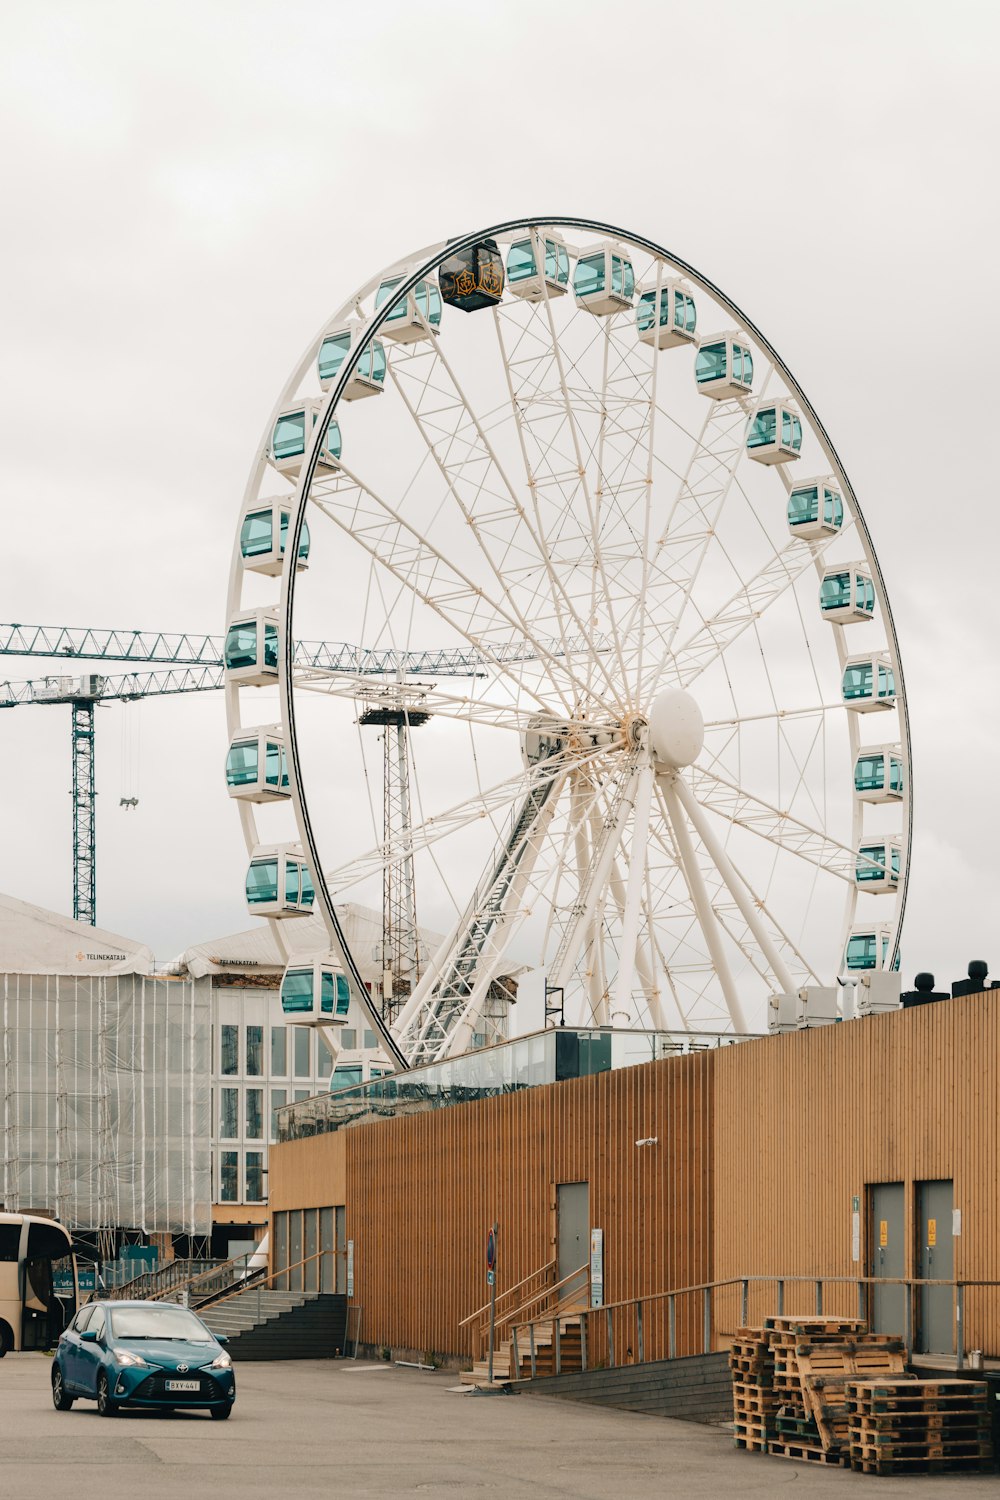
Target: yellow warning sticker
{"points": [[883, 1232], [931, 1232]]}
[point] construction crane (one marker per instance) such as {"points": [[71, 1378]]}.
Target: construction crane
{"points": [[197, 666]]}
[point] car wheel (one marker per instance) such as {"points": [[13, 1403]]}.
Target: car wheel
{"points": [[60, 1400], [105, 1405], [6, 1338], [221, 1413]]}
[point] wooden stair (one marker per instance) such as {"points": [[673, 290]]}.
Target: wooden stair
{"points": [[570, 1355]]}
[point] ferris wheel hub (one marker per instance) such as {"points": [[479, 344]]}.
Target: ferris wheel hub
{"points": [[676, 729]]}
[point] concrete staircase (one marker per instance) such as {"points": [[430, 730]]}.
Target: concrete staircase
{"points": [[570, 1355], [266, 1324]]}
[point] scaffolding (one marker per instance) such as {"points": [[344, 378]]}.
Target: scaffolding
{"points": [[106, 1101]]}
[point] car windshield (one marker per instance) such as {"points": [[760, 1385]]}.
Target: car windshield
{"points": [[158, 1323]]}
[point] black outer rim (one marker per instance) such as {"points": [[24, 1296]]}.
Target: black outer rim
{"points": [[464, 242]]}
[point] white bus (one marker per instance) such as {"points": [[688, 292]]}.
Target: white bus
{"points": [[33, 1252]]}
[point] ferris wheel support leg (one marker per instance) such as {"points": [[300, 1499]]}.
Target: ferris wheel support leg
{"points": [[633, 892], [700, 899], [737, 889]]}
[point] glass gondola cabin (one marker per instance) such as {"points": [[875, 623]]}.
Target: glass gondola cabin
{"points": [[815, 509], [472, 279], [292, 439], [723, 367], [279, 882], [538, 267], [264, 534], [315, 990], [250, 655], [368, 376], [878, 774], [257, 765], [774, 433], [847, 594], [868, 948], [415, 315], [604, 281], [869, 683], [878, 866], [666, 316]]}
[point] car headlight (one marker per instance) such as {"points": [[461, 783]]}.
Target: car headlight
{"points": [[126, 1357], [221, 1362]]}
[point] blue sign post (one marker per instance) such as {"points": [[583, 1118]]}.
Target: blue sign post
{"points": [[491, 1280]]}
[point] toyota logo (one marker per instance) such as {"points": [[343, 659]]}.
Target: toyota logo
{"points": [[183, 1369]]}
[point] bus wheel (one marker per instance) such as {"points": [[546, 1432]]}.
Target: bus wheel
{"points": [[6, 1338]]}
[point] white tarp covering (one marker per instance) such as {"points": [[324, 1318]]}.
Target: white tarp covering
{"points": [[106, 1100], [36, 941], [256, 948]]}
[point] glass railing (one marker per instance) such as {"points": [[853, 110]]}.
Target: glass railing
{"points": [[551, 1056]]}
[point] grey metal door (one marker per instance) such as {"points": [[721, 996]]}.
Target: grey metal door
{"points": [[935, 1262], [341, 1213], [887, 1255], [573, 1205]]}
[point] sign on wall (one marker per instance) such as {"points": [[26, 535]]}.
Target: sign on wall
{"points": [[597, 1267], [350, 1268]]}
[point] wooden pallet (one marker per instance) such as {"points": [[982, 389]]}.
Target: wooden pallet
{"points": [[805, 1453], [890, 1466], [900, 1426]]}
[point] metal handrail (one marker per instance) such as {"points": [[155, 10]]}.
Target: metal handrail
{"points": [[501, 1296], [546, 1292], [210, 1271], [637, 1307], [264, 1280], [150, 1280]]}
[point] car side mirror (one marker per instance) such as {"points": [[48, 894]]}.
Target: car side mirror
{"points": [[89, 1336], [220, 1338]]}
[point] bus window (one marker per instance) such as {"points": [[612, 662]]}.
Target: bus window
{"points": [[10, 1241]]}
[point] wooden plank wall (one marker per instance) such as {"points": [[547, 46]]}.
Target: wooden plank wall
{"points": [[803, 1122], [422, 1190]]}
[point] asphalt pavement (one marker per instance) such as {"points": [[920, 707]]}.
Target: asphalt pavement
{"points": [[339, 1429]]}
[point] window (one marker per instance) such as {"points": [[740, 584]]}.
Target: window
{"points": [[886, 682], [301, 1052], [262, 882], [229, 1177], [97, 1322], [869, 773], [763, 431], [896, 775], [303, 536], [858, 680], [255, 1176], [332, 353], [83, 1318], [291, 882], [255, 1114], [833, 508], [521, 262], [617, 273], [324, 1058], [290, 435], [370, 1040], [275, 765], [229, 1114], [711, 364], [241, 644], [383, 295], [344, 1078], [241, 764], [803, 505], [229, 1049], [590, 275], [255, 1051], [279, 1050], [835, 593], [279, 1098], [255, 534], [348, 1039], [301, 1094]]}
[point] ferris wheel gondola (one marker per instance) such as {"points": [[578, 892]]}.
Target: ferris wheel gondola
{"points": [[632, 637]]}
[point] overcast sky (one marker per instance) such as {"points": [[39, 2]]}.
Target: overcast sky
{"points": [[190, 189]]}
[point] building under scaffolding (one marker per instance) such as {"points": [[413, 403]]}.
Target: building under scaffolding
{"points": [[106, 1080]]}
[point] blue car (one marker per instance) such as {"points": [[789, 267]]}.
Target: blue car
{"points": [[142, 1354]]}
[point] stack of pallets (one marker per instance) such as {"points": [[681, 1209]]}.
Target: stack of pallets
{"points": [[919, 1426], [789, 1383], [754, 1400]]}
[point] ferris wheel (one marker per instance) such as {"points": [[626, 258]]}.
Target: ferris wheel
{"points": [[619, 699]]}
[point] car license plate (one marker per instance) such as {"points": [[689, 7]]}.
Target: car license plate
{"points": [[183, 1385]]}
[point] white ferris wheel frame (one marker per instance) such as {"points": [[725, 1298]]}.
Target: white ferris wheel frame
{"points": [[418, 267]]}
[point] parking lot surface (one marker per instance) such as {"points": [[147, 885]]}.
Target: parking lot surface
{"points": [[335, 1428]]}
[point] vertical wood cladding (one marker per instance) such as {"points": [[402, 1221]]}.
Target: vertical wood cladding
{"points": [[759, 1150], [421, 1192], [804, 1122]]}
